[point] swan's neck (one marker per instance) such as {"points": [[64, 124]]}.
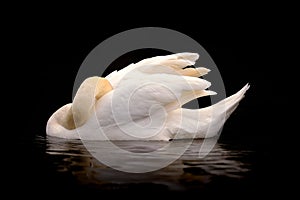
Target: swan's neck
{"points": [[68, 120], [84, 101]]}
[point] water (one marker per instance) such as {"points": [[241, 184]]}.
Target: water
{"points": [[66, 166]]}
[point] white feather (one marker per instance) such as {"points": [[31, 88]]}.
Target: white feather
{"points": [[146, 101]]}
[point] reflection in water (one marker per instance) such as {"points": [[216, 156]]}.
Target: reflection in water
{"points": [[189, 172]]}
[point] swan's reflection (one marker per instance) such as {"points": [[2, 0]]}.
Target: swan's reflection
{"points": [[72, 156]]}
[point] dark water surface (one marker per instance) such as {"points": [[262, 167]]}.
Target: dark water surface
{"points": [[65, 166]]}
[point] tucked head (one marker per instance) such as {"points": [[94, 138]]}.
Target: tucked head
{"points": [[91, 90]]}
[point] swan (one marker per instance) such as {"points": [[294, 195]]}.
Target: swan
{"points": [[143, 101]]}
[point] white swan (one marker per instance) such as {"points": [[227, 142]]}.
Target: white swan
{"points": [[143, 102]]}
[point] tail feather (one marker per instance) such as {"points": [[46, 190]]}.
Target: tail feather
{"points": [[205, 122], [232, 101]]}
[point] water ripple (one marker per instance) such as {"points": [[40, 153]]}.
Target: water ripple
{"points": [[189, 172]]}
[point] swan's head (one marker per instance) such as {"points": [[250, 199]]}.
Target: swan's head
{"points": [[76, 114]]}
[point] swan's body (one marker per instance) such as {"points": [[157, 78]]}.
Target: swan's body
{"points": [[143, 102]]}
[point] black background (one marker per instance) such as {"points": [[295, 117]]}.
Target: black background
{"points": [[49, 55], [45, 50]]}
